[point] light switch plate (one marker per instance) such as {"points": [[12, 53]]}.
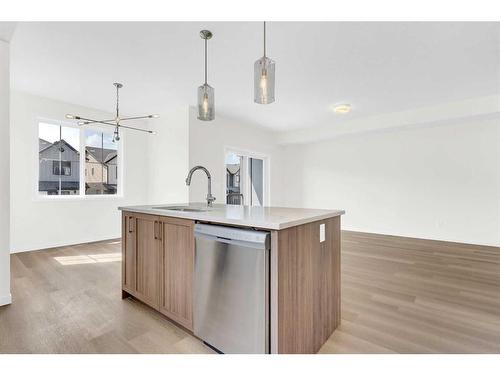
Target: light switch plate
{"points": [[322, 233]]}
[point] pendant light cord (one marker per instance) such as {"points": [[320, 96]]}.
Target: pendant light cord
{"points": [[205, 61], [117, 101], [264, 38]]}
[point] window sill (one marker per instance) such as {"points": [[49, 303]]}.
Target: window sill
{"points": [[69, 198]]}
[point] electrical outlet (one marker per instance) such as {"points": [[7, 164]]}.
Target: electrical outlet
{"points": [[322, 233]]}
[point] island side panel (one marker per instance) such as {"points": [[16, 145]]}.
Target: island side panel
{"points": [[308, 290], [273, 289]]}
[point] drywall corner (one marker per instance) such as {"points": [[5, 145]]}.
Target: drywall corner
{"points": [[5, 297]]}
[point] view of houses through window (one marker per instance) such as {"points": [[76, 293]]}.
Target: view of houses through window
{"points": [[60, 163], [59, 160], [101, 163]]}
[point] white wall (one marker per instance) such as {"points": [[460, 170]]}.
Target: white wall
{"points": [[207, 143], [168, 153], [5, 297], [433, 182], [41, 224], [439, 182]]}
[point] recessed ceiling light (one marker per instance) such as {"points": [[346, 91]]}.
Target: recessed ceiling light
{"points": [[342, 108]]}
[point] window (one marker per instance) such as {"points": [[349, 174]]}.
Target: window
{"points": [[61, 169], [101, 156], [59, 160]]}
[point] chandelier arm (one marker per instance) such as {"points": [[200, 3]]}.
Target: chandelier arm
{"points": [[138, 129], [136, 117], [95, 121], [105, 123], [115, 123], [117, 126]]}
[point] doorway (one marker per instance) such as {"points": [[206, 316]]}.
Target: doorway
{"points": [[246, 178]]}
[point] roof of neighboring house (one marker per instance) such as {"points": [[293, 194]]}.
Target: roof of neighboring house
{"points": [[62, 143], [111, 157], [43, 144], [101, 154]]}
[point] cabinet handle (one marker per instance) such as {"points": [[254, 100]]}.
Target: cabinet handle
{"points": [[130, 227], [154, 230], [158, 231]]}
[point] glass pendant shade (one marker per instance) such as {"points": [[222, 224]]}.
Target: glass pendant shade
{"points": [[206, 103], [264, 80]]}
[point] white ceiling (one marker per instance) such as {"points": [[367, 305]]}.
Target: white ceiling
{"points": [[377, 67]]}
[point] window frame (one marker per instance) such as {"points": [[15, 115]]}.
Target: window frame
{"points": [[81, 196]]}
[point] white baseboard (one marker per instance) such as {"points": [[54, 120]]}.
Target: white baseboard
{"points": [[6, 300], [422, 237], [53, 245]]}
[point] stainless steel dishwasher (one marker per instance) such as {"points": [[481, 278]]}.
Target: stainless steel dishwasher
{"points": [[231, 289]]}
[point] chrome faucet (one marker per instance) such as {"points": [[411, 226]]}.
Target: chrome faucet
{"points": [[210, 197]]}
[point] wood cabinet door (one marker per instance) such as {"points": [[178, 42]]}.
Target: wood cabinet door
{"points": [[148, 232], [176, 300], [128, 252]]}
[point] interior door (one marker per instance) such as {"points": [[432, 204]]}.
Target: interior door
{"points": [[176, 299], [148, 232], [256, 172]]}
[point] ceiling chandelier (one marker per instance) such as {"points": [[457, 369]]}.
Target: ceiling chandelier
{"points": [[115, 122], [264, 77], [206, 94]]}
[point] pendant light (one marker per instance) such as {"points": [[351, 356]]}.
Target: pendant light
{"points": [[264, 77], [206, 94]]}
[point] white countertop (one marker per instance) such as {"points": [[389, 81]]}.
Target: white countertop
{"points": [[274, 218]]}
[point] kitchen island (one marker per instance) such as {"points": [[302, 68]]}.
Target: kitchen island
{"points": [[158, 269]]}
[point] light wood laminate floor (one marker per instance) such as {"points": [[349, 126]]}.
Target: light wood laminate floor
{"points": [[399, 295]]}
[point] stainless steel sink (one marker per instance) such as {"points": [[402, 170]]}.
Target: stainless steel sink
{"points": [[181, 208]]}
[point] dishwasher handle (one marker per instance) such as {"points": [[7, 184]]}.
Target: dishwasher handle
{"points": [[233, 236]]}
